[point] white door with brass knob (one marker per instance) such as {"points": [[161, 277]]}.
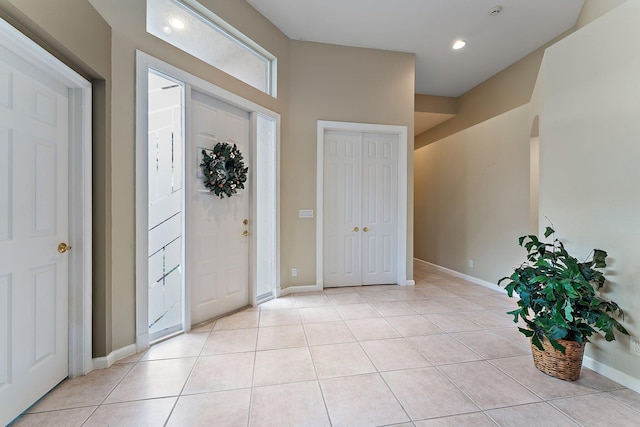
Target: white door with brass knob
{"points": [[219, 231], [34, 218], [360, 208]]}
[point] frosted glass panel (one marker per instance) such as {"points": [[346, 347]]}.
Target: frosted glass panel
{"points": [[166, 131], [165, 294], [266, 202], [205, 36]]}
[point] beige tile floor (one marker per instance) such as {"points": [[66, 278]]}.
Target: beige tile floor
{"points": [[442, 353]]}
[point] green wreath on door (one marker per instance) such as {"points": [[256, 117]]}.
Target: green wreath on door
{"points": [[224, 172]]}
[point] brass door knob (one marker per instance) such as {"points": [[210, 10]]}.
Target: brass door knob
{"points": [[365, 229], [245, 233], [356, 229], [63, 247]]}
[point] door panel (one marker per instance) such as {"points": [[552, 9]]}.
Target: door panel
{"points": [[342, 209], [5, 184], [379, 203], [218, 253], [34, 218]]}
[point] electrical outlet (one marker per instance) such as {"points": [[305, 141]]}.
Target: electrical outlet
{"points": [[635, 346], [294, 272], [470, 263]]}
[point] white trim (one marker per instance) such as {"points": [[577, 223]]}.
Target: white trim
{"points": [[114, 356], [612, 373], [144, 62], [599, 367], [240, 39], [80, 195], [254, 115], [401, 132], [297, 288], [466, 277], [142, 208]]}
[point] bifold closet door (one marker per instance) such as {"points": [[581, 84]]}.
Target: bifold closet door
{"points": [[379, 208], [360, 197]]}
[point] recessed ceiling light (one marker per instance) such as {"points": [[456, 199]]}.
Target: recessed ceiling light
{"points": [[459, 44], [176, 23]]}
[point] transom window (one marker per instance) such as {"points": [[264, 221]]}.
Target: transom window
{"points": [[193, 28]]}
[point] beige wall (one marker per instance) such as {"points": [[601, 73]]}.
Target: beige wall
{"points": [[593, 9], [99, 39], [128, 34], [511, 87], [588, 100], [472, 196], [338, 83], [70, 29], [75, 32]]}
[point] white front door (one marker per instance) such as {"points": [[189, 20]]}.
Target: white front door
{"points": [[217, 249], [360, 208], [34, 219]]}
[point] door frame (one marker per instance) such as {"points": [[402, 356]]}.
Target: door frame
{"points": [[80, 192], [401, 132], [144, 62]]}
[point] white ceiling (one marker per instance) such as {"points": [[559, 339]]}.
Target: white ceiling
{"points": [[428, 28]]}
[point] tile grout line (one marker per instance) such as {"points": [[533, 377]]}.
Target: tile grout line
{"points": [[315, 370], [253, 373], [195, 363]]}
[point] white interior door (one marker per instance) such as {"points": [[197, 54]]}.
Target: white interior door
{"points": [[379, 208], [34, 219], [218, 252], [342, 195], [360, 208]]}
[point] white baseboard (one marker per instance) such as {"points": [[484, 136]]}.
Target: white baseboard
{"points": [[466, 277], [315, 288], [612, 373], [114, 356], [300, 288], [599, 367]]}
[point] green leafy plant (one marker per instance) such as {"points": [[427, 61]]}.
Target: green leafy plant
{"points": [[558, 294]]}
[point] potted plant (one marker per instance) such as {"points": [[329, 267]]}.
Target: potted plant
{"points": [[560, 304]]}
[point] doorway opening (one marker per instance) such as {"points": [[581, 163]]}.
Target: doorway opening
{"points": [[45, 223], [208, 115], [383, 177]]}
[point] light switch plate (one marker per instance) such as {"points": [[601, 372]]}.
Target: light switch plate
{"points": [[305, 213]]}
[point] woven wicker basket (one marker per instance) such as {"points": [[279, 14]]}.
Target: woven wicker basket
{"points": [[552, 362]]}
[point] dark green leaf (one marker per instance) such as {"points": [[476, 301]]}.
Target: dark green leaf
{"points": [[548, 232], [555, 344]]}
